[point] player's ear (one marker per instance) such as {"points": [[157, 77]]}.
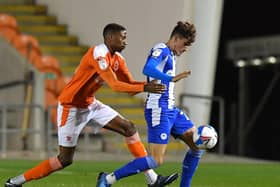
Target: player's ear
{"points": [[109, 37], [113, 35]]}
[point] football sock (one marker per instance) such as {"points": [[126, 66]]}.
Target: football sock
{"points": [[135, 166], [111, 178], [190, 164], [43, 169], [137, 149], [18, 180], [151, 176], [135, 146]]}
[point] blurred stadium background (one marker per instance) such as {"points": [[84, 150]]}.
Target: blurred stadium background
{"points": [[42, 42]]}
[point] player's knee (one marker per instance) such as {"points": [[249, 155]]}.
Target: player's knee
{"points": [[65, 160], [152, 162], [130, 129], [190, 132], [187, 137]]}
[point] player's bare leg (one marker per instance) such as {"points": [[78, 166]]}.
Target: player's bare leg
{"points": [[45, 168], [136, 148], [158, 152]]}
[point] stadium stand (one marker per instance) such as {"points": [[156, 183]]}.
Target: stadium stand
{"points": [[28, 46], [8, 27], [56, 53]]}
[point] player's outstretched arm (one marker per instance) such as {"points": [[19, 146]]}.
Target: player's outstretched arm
{"points": [[154, 87]]}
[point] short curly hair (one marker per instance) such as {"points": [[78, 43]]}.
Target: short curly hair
{"points": [[112, 28], [184, 30]]}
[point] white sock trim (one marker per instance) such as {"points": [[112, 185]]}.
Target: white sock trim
{"points": [[18, 180], [111, 178], [151, 176]]}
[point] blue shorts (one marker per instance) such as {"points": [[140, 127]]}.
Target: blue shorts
{"points": [[163, 122]]}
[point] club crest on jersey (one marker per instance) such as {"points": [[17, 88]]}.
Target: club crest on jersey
{"points": [[163, 136], [156, 52], [102, 64], [116, 66]]}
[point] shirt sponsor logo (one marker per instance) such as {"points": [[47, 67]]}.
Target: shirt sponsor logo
{"points": [[116, 66]]}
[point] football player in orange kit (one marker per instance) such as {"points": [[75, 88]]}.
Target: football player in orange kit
{"points": [[78, 107]]}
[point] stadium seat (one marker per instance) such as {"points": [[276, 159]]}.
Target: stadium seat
{"points": [[8, 33], [54, 79], [60, 84], [28, 46], [55, 85], [51, 103], [8, 27], [8, 21], [48, 63]]}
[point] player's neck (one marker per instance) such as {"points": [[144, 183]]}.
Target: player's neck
{"points": [[170, 45], [111, 50]]}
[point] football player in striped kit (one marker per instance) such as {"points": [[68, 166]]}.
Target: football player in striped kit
{"points": [[162, 116]]}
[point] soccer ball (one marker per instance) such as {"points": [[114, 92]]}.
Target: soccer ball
{"points": [[205, 137]]}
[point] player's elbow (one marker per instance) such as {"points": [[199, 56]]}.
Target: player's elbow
{"points": [[146, 71], [115, 87]]}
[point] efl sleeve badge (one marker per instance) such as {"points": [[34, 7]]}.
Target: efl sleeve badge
{"points": [[156, 53], [102, 64]]}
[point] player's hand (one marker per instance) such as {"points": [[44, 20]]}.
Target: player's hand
{"points": [[154, 87], [182, 75]]}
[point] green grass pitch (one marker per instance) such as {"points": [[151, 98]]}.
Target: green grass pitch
{"points": [[84, 174]]}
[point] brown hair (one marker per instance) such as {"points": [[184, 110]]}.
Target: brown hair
{"points": [[185, 30]]}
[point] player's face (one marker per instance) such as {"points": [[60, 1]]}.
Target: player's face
{"points": [[119, 41], [181, 45]]}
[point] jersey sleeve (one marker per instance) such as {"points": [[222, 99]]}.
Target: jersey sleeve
{"points": [[107, 74], [153, 60], [123, 74]]}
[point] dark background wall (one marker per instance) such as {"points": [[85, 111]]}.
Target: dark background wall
{"points": [[247, 19]]}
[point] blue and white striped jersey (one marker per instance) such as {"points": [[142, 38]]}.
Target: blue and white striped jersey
{"points": [[160, 65]]}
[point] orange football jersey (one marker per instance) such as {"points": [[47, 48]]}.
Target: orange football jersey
{"points": [[96, 67]]}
